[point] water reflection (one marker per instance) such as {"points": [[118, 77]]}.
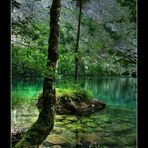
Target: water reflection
{"points": [[114, 91], [25, 91]]}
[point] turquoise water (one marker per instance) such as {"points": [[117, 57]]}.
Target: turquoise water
{"points": [[115, 91], [113, 127]]}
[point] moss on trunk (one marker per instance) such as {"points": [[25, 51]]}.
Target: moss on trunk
{"points": [[45, 122]]}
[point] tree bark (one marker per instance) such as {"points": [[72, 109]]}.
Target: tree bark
{"points": [[77, 42], [45, 122]]}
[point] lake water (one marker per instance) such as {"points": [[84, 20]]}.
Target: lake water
{"points": [[113, 127]]}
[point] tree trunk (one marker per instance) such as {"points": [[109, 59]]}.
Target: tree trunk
{"points": [[45, 122], [77, 43]]}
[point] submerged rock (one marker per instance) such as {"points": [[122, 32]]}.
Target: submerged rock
{"points": [[72, 118], [59, 123], [90, 124], [91, 137], [99, 129], [55, 139]]}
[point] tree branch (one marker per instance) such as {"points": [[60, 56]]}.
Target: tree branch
{"points": [[37, 47]]}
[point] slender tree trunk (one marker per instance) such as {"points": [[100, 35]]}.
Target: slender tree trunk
{"points": [[77, 43], [45, 122]]}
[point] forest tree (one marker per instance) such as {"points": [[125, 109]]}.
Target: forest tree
{"points": [[45, 122]]}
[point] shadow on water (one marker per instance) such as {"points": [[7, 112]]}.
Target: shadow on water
{"points": [[114, 127]]}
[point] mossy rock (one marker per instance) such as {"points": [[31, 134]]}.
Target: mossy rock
{"points": [[78, 129], [92, 137], [59, 117], [55, 139], [66, 121], [74, 102], [58, 130], [90, 124], [71, 126], [72, 118], [62, 139], [88, 130], [59, 123], [99, 129]]}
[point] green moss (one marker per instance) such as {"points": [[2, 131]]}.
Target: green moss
{"points": [[55, 139], [59, 123], [99, 129], [71, 126], [91, 137], [59, 117], [72, 118], [72, 102], [91, 124], [75, 95], [75, 127]]}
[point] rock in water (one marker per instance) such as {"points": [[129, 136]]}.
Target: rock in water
{"points": [[80, 108], [74, 102]]}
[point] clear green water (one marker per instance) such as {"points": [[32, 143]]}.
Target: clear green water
{"points": [[113, 127]]}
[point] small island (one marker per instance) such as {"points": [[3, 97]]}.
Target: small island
{"points": [[75, 102]]}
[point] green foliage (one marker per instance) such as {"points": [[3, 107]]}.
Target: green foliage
{"points": [[132, 6], [100, 48], [66, 61], [66, 32], [28, 62], [81, 2]]}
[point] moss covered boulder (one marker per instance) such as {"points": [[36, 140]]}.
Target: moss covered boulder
{"points": [[55, 139], [75, 102]]}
